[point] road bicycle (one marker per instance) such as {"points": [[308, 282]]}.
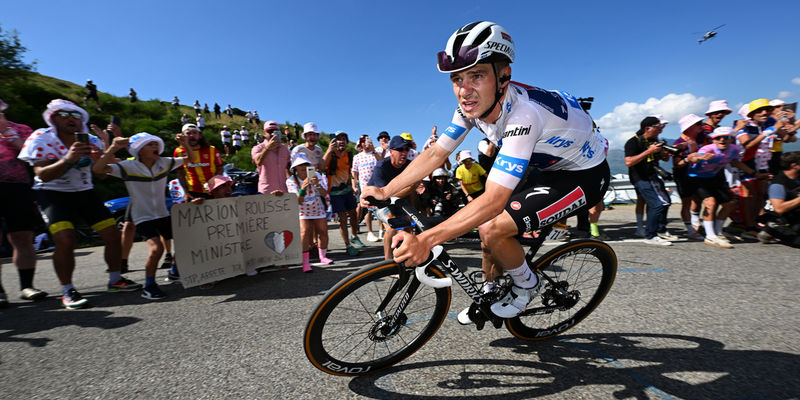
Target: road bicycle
{"points": [[385, 311]]}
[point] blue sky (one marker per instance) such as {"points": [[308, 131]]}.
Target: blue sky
{"points": [[363, 67]]}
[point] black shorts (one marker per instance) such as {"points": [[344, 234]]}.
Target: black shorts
{"points": [[154, 228], [716, 187], [17, 207], [63, 208], [683, 183], [548, 197]]}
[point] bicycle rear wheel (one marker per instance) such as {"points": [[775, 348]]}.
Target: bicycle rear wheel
{"points": [[345, 335], [581, 274]]}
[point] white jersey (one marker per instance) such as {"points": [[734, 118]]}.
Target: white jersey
{"points": [[546, 129]]}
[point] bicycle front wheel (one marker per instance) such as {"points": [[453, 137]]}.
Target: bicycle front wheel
{"points": [[346, 336], [581, 274]]}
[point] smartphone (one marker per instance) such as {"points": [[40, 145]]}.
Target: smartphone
{"points": [[115, 120], [82, 137], [311, 171]]}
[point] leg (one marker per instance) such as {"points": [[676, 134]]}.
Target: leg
{"points": [[128, 231], [113, 249], [156, 251], [64, 255], [351, 215], [387, 242]]}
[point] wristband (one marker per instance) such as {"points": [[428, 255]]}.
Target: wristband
{"points": [[302, 192], [69, 164]]}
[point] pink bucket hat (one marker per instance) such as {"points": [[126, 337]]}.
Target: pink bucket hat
{"points": [[688, 120], [217, 181], [717, 106]]}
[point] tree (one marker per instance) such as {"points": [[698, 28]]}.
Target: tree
{"points": [[11, 51]]}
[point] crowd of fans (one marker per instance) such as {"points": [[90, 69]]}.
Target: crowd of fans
{"points": [[721, 172]]}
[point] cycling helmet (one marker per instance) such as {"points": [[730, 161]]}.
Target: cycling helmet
{"points": [[475, 42], [439, 172]]}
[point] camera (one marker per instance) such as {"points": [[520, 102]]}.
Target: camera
{"points": [[664, 174], [672, 150]]}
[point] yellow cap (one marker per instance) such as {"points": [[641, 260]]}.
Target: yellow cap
{"points": [[407, 136], [756, 104]]}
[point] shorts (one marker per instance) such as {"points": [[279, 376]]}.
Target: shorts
{"points": [[549, 197], [343, 202], [17, 207], [745, 177], [154, 228], [683, 183], [63, 208], [716, 187]]}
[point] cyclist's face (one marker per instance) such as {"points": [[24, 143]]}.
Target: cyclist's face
{"points": [[475, 89]]}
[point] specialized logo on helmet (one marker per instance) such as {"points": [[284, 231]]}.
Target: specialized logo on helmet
{"points": [[501, 47]]}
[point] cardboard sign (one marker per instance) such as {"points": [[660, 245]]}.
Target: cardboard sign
{"points": [[222, 238]]}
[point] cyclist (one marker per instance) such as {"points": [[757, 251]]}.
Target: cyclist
{"points": [[533, 128]]}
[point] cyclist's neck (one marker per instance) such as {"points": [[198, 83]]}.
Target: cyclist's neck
{"points": [[496, 110]]}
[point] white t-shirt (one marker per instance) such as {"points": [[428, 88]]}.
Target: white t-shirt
{"points": [[226, 136], [237, 139], [44, 145], [547, 129], [245, 135], [146, 186]]}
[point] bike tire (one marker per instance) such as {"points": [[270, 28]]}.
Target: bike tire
{"points": [[589, 267], [337, 336]]}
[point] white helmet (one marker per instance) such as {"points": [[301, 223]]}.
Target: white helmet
{"points": [[439, 172], [472, 43]]}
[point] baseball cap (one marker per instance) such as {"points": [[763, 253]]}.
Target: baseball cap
{"points": [[271, 125], [398, 142], [338, 134], [649, 121], [189, 127]]}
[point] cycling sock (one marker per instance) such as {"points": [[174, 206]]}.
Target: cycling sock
{"points": [[306, 259], [710, 232], [149, 281], [488, 287], [639, 221], [718, 225], [65, 288], [695, 217], [25, 278], [594, 229], [114, 277], [523, 276]]}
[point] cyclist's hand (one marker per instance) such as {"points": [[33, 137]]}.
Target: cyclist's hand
{"points": [[413, 251], [373, 191]]}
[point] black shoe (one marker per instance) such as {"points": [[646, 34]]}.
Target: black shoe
{"points": [[168, 260]]}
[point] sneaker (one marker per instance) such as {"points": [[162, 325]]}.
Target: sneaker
{"points": [[325, 260], [657, 240], [32, 294], [352, 251], [167, 261], [153, 292], [717, 242], [307, 268], [172, 277], [602, 236], [380, 234], [516, 300], [73, 300], [3, 300], [750, 234], [124, 285], [355, 241], [694, 236], [371, 237], [667, 236], [766, 238], [640, 232]]}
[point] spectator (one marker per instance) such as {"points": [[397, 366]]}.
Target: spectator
{"points": [[194, 175], [185, 119], [196, 106], [412, 152], [245, 135], [363, 165], [237, 141], [755, 135], [708, 181], [288, 134], [148, 209], [225, 136], [64, 188], [310, 191], [385, 170], [471, 175], [249, 116], [692, 136], [229, 111], [642, 153], [382, 151], [201, 122], [338, 161], [206, 111], [442, 198], [132, 95], [717, 110], [271, 158], [256, 118], [310, 148], [784, 201], [216, 111], [17, 210], [175, 102], [91, 93], [781, 135]]}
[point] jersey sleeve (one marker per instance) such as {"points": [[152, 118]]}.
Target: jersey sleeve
{"points": [[178, 162], [456, 132], [217, 157], [116, 170], [519, 141]]}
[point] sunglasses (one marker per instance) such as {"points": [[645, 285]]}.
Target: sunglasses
{"points": [[723, 137], [402, 149], [67, 114], [466, 57]]}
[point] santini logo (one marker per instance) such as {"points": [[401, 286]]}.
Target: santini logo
{"points": [[518, 131]]}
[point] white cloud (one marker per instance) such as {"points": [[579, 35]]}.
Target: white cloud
{"points": [[618, 126], [784, 94], [796, 81]]}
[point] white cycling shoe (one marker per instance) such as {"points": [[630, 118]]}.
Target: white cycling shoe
{"points": [[516, 300]]}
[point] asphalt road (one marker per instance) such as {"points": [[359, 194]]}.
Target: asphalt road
{"points": [[682, 322]]}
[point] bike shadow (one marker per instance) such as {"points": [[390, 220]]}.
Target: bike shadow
{"points": [[613, 365]]}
